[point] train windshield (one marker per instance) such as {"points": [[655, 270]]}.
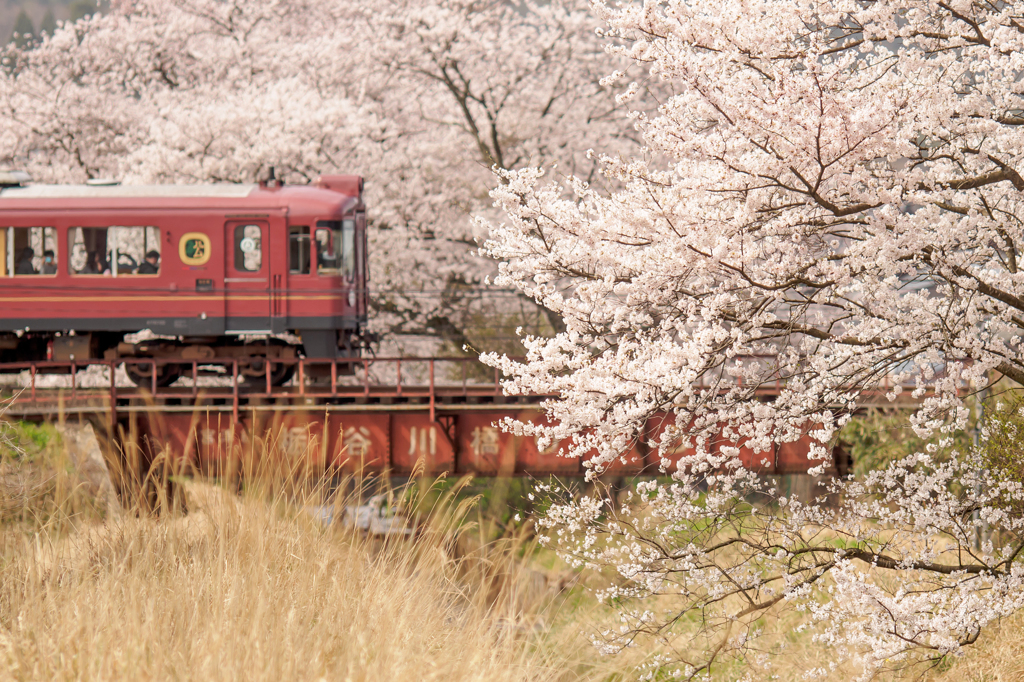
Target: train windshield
{"points": [[336, 247]]}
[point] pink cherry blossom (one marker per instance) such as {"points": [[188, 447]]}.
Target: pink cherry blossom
{"points": [[827, 200]]}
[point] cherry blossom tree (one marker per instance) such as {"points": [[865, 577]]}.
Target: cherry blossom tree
{"points": [[422, 97], [829, 199]]}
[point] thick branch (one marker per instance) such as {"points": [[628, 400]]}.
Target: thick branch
{"points": [[883, 561]]}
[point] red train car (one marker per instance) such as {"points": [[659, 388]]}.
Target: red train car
{"points": [[253, 272]]}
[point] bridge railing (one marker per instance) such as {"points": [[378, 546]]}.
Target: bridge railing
{"points": [[411, 379]]}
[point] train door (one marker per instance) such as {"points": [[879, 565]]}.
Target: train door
{"points": [[304, 287], [247, 277], [280, 287]]}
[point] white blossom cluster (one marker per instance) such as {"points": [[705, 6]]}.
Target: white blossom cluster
{"points": [[831, 189], [889, 575], [829, 201]]}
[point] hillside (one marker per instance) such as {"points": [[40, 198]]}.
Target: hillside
{"points": [[36, 10]]}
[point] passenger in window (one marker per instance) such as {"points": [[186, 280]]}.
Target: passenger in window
{"points": [[323, 259], [49, 263], [151, 266], [94, 265], [25, 266]]}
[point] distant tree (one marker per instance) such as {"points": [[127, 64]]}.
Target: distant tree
{"points": [[24, 34], [81, 9], [421, 97], [48, 25]]}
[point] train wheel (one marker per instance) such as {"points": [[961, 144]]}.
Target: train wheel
{"points": [[255, 375], [141, 374]]}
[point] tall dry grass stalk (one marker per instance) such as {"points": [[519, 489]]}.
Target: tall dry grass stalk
{"points": [[253, 586]]}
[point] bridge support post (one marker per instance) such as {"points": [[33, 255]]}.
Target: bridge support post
{"points": [[234, 393], [432, 394], [112, 420]]}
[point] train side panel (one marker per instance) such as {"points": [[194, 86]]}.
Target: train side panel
{"points": [[106, 295]]}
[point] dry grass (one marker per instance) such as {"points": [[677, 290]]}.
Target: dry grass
{"points": [[241, 589], [254, 587], [997, 657]]}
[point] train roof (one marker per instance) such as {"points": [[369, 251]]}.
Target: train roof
{"points": [[126, 191], [329, 194]]}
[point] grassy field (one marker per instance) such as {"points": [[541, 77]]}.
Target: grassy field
{"points": [[239, 589], [252, 585]]}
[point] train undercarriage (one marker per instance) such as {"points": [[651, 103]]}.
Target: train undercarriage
{"points": [[258, 359]]}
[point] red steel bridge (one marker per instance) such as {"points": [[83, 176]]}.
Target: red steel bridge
{"points": [[374, 415]]}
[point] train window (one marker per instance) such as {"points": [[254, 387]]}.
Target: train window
{"points": [[248, 248], [328, 247], [117, 251], [28, 251], [348, 247], [360, 264], [298, 250], [335, 247]]}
